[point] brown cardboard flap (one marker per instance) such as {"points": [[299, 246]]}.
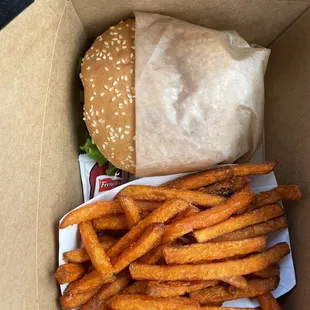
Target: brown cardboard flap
{"points": [[287, 128], [260, 21], [39, 167]]}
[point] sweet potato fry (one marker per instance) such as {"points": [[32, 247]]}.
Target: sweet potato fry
{"points": [[87, 283], [138, 287], [226, 187], [162, 214], [130, 209], [291, 192], [268, 302], [74, 301], [254, 169], [269, 272], [191, 210], [142, 302], [147, 206], [95, 250], [111, 222], [80, 255], [212, 251], [208, 217], [221, 293], [176, 288], [106, 291], [202, 178], [236, 282], [69, 272], [255, 230], [142, 192], [149, 239], [152, 257], [210, 271], [91, 212], [238, 222]]}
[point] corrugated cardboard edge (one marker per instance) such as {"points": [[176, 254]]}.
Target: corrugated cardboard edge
{"points": [[287, 126]]}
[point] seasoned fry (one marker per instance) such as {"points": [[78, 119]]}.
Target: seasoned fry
{"points": [[221, 293], [74, 301], [269, 272], [138, 287], [107, 291], [226, 187], [268, 302], [255, 230], [142, 302], [111, 222], [254, 169], [91, 212], [149, 239], [208, 217], [191, 210], [236, 282], [142, 192], [80, 255], [176, 288], [147, 206], [152, 257], [87, 283], [69, 272], [160, 215], [241, 221], [210, 271], [202, 178], [212, 251], [291, 192], [130, 209], [95, 250]]}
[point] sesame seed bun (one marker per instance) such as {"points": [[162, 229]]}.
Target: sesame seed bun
{"points": [[108, 76]]}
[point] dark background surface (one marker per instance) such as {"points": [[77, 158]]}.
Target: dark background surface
{"points": [[9, 9]]}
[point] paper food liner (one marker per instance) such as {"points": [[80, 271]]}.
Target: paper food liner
{"points": [[199, 96], [69, 238]]}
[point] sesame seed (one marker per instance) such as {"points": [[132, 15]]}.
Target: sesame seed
{"points": [[97, 113], [104, 50], [132, 37], [123, 113], [127, 25], [91, 98], [96, 50], [118, 62], [116, 90], [111, 58], [111, 129], [106, 86], [105, 43], [125, 78], [124, 42], [133, 47], [125, 101], [110, 78], [131, 55], [108, 139], [106, 68], [111, 88], [112, 27], [106, 143], [123, 61], [126, 132], [119, 28], [122, 137], [88, 68], [102, 111], [117, 49], [118, 41], [127, 126], [108, 126], [116, 135], [97, 131], [94, 93], [120, 36], [103, 146], [114, 39], [122, 163], [120, 105], [112, 149], [118, 95], [93, 85], [84, 118], [127, 90], [115, 113], [130, 101], [91, 80], [118, 68], [129, 96], [124, 47], [104, 56], [113, 98], [81, 75], [114, 83], [112, 43], [101, 94], [131, 71]]}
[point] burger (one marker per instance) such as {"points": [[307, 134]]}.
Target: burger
{"points": [[108, 78]]}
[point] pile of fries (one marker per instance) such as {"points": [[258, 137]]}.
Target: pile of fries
{"points": [[192, 243]]}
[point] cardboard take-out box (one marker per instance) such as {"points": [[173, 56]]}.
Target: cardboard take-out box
{"points": [[40, 122]]}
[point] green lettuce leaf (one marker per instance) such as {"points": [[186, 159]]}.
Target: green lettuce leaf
{"points": [[111, 170]]}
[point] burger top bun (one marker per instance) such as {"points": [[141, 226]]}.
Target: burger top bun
{"points": [[108, 76]]}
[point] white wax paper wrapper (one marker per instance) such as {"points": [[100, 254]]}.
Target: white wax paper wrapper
{"points": [[69, 238], [199, 96]]}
